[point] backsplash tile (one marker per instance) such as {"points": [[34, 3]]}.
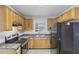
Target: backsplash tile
{"points": [[2, 37], [7, 33]]}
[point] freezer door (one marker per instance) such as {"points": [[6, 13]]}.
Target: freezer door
{"points": [[76, 37], [66, 39]]}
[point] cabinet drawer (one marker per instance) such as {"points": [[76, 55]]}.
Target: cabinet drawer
{"points": [[18, 50]]}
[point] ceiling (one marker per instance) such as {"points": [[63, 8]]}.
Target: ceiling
{"points": [[40, 10]]}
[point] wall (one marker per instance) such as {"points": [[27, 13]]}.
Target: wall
{"points": [[39, 20], [7, 33]]}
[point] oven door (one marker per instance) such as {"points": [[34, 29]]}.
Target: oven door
{"points": [[24, 48]]}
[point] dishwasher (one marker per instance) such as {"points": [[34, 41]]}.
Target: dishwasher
{"points": [[24, 48]]}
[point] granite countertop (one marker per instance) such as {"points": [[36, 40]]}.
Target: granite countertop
{"points": [[24, 36], [10, 46]]}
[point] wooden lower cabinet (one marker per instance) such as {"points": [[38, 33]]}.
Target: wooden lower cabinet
{"points": [[30, 43], [10, 51], [53, 42], [39, 43]]}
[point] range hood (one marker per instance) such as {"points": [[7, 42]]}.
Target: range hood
{"points": [[16, 24]]}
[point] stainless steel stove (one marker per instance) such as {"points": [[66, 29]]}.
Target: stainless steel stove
{"points": [[18, 39]]}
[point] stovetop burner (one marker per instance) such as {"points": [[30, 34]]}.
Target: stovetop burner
{"points": [[20, 41], [15, 39]]}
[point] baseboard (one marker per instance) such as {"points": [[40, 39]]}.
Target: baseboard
{"points": [[42, 48]]}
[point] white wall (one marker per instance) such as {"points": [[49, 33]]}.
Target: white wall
{"points": [[40, 20], [7, 33], [14, 30]]}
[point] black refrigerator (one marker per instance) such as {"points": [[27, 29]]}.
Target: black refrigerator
{"points": [[59, 38], [68, 38]]}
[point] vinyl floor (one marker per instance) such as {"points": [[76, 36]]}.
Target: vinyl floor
{"points": [[42, 51]]}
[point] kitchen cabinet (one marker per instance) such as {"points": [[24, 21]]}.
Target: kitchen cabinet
{"points": [[69, 15], [10, 48], [16, 17], [21, 21], [8, 16], [39, 42], [60, 18], [31, 43], [72, 14], [23, 24], [10, 51], [53, 42], [28, 24], [2, 18], [8, 19], [51, 22], [77, 13]]}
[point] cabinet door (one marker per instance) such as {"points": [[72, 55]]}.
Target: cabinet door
{"points": [[17, 18], [51, 22], [77, 12], [23, 24], [19, 21], [8, 20], [69, 15], [28, 24], [37, 43], [53, 42], [46, 43], [41, 43], [31, 43], [14, 16], [60, 19], [2, 19]]}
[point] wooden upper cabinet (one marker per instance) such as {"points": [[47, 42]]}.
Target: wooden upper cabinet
{"points": [[7, 17], [58, 19], [69, 15], [23, 24], [77, 12], [72, 14], [28, 24], [21, 21], [8, 21], [51, 22], [2, 19], [16, 18]]}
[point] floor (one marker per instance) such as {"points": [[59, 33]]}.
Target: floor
{"points": [[41, 51]]}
